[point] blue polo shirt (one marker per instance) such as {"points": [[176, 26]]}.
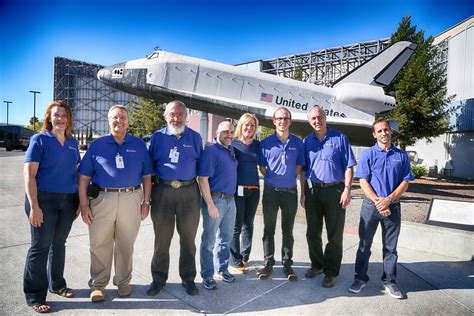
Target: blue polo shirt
{"points": [[328, 160], [384, 170], [57, 163], [247, 157], [218, 164], [99, 162], [281, 160], [164, 148]]}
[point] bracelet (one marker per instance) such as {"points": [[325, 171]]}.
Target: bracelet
{"points": [[389, 199], [348, 187], [147, 202]]}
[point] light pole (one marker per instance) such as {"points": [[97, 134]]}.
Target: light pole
{"points": [[8, 103], [34, 108]]}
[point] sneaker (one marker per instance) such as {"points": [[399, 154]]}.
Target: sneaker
{"points": [[329, 281], [290, 273], [312, 272], [393, 290], [209, 283], [265, 272], [190, 287], [225, 276], [357, 286], [124, 290]]}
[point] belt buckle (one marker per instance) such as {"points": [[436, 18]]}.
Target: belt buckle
{"points": [[175, 184]]}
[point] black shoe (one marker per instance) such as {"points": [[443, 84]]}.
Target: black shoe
{"points": [[154, 288], [264, 273], [290, 273], [313, 272], [190, 287], [329, 281]]}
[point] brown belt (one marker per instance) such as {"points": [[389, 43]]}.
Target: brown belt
{"points": [[122, 190], [222, 195], [250, 186]]}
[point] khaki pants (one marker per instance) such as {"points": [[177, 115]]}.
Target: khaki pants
{"points": [[112, 234]]}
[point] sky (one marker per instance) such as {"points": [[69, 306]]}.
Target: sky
{"points": [[106, 32]]}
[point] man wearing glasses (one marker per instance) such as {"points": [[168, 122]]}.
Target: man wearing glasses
{"points": [[281, 160], [326, 194]]}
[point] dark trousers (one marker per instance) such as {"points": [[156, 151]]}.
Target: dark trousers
{"points": [[170, 206], [322, 204], [44, 266], [369, 220], [287, 202], [246, 209]]}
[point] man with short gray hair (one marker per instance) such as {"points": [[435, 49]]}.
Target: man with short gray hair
{"points": [[175, 151]]}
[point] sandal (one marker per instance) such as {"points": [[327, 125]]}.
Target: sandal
{"points": [[42, 308], [65, 292]]}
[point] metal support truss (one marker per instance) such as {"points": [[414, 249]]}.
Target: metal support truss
{"points": [[325, 66], [76, 83]]}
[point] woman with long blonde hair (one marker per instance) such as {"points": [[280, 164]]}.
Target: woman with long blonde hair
{"points": [[247, 196]]}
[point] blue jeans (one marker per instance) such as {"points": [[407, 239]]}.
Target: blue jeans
{"points": [[369, 220], [216, 237], [44, 266], [246, 209]]}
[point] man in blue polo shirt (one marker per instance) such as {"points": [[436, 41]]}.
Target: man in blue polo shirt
{"points": [[118, 163], [384, 173], [218, 180], [326, 194], [281, 160], [175, 151]]}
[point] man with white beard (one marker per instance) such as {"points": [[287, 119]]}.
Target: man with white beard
{"points": [[175, 151]]}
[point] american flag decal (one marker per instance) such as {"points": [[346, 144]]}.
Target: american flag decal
{"points": [[266, 97]]}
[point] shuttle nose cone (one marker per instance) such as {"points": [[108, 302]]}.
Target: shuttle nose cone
{"points": [[101, 74], [111, 74]]}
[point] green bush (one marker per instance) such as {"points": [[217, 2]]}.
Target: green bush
{"points": [[419, 171]]}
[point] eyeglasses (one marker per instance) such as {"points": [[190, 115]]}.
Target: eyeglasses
{"points": [[117, 117], [279, 119]]}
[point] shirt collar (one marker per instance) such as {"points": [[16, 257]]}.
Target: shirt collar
{"points": [[111, 139], [378, 148]]}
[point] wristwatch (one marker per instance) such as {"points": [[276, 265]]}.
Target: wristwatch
{"points": [[389, 199], [147, 202]]}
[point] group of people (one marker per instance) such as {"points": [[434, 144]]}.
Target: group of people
{"points": [[119, 182]]}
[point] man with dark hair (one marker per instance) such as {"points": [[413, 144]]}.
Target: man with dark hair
{"points": [[326, 195], [281, 160], [384, 173]]}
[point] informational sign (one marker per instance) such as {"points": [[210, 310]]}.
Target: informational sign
{"points": [[452, 214]]}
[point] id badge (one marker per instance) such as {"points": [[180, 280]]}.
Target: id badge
{"points": [[174, 155], [310, 184], [283, 158], [240, 190], [119, 162]]}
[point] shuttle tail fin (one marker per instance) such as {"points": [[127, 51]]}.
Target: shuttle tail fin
{"points": [[380, 70]]}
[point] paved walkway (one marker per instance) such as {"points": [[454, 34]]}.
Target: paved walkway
{"points": [[433, 284]]}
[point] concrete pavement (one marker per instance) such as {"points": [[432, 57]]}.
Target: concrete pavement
{"points": [[433, 283]]}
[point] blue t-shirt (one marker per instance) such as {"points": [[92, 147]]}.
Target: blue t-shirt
{"points": [[175, 158], [218, 164], [328, 160], [247, 157], [100, 162], [57, 163], [384, 170], [281, 160]]}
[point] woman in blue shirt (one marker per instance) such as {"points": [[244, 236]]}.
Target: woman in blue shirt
{"points": [[51, 205], [247, 196]]}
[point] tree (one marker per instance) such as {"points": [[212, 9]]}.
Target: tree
{"points": [[423, 108], [36, 122], [146, 116]]}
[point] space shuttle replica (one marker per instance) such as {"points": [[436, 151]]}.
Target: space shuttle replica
{"points": [[229, 91]]}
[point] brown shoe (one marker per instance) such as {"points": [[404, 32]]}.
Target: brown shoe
{"points": [[98, 295], [124, 290], [265, 272], [290, 273], [312, 272], [329, 281]]}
